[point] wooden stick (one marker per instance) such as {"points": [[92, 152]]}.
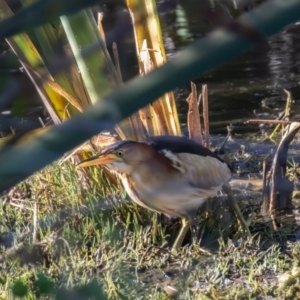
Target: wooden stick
{"points": [[286, 113], [265, 191], [205, 114], [271, 122], [193, 117], [117, 60], [279, 183]]}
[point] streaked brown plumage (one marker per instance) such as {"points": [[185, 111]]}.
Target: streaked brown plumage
{"points": [[167, 174]]}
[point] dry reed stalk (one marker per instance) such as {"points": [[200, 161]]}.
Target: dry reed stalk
{"points": [[117, 61], [151, 53], [271, 122], [278, 189], [100, 27], [193, 116], [286, 114], [205, 114]]}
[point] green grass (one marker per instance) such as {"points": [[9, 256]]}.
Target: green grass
{"points": [[93, 244]]}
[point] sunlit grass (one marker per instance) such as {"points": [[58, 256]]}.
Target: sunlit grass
{"points": [[93, 246]]}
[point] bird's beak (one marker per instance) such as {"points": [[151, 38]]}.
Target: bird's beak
{"points": [[102, 159]]}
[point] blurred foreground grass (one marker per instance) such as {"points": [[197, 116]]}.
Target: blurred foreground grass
{"points": [[93, 247]]}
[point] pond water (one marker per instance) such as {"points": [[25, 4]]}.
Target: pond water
{"points": [[238, 90]]}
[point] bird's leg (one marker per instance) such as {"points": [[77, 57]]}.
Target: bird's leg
{"points": [[227, 189], [186, 222], [195, 229]]}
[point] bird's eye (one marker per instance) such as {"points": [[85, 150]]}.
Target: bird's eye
{"points": [[119, 153]]}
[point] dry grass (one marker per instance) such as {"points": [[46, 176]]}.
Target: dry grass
{"points": [[92, 246]]}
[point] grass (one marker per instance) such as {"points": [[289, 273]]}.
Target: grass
{"points": [[92, 243]]}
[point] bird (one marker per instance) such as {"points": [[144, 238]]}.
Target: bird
{"points": [[172, 175]]}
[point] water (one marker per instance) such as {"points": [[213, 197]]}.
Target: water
{"points": [[238, 89]]}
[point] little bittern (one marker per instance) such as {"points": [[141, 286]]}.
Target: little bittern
{"points": [[168, 174]]}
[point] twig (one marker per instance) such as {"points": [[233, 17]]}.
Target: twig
{"points": [[230, 131], [56, 87], [279, 182], [205, 114], [35, 213], [278, 189], [265, 190], [193, 117], [272, 122], [289, 101], [117, 61], [286, 114], [222, 147], [100, 27]]}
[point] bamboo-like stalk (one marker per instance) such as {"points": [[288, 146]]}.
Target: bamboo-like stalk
{"points": [[68, 83], [100, 27], [81, 30], [57, 93], [150, 49], [29, 57], [98, 72]]}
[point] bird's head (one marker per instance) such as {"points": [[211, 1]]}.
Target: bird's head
{"points": [[121, 157]]}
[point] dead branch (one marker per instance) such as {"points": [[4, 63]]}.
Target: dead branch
{"points": [[271, 122], [205, 114], [193, 117], [279, 190]]}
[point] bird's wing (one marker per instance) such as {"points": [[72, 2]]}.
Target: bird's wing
{"points": [[204, 172], [180, 144]]}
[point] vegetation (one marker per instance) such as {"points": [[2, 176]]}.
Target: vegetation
{"points": [[99, 246], [65, 240]]}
